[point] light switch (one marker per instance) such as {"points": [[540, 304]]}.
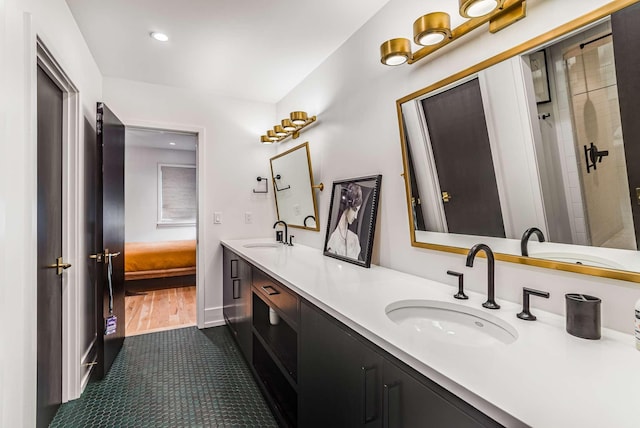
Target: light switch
{"points": [[248, 217], [217, 217]]}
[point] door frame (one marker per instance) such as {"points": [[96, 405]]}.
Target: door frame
{"points": [[72, 384], [199, 132]]}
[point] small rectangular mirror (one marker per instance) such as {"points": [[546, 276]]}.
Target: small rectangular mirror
{"points": [[292, 179]]}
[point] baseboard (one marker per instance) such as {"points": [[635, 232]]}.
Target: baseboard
{"points": [[89, 357], [213, 317]]}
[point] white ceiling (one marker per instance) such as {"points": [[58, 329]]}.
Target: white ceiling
{"points": [[159, 139], [252, 49]]}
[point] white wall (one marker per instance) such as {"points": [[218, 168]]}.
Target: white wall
{"points": [[20, 22], [231, 159], [141, 194], [357, 134]]}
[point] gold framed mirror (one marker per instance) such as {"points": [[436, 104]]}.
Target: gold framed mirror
{"points": [[294, 189], [514, 94]]}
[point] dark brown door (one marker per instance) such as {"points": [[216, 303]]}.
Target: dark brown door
{"points": [[109, 238], [460, 143], [49, 336], [626, 45]]}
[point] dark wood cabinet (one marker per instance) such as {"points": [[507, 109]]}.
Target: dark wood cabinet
{"points": [[345, 381], [411, 400], [340, 377], [316, 372], [275, 344], [236, 299]]}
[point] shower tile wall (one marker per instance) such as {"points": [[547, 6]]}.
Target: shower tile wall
{"points": [[562, 130], [596, 116], [561, 120]]}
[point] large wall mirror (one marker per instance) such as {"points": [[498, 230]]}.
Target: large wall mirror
{"points": [[292, 178], [543, 136]]}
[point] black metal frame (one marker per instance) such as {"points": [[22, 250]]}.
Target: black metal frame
{"points": [[365, 226]]}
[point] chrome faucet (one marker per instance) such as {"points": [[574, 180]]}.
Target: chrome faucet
{"points": [[491, 295], [286, 233], [525, 239]]}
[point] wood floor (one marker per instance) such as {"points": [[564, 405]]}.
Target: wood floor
{"points": [[160, 310]]}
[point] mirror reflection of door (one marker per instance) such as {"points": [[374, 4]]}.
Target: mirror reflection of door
{"points": [[416, 201], [459, 140], [626, 45]]}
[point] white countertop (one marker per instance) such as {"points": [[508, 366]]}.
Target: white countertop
{"points": [[546, 378]]}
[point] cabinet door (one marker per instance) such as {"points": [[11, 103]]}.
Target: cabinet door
{"points": [[339, 378], [409, 402], [230, 284], [243, 309]]}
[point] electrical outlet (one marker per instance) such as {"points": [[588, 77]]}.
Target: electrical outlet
{"points": [[248, 217], [217, 217]]}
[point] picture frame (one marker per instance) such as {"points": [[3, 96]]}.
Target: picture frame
{"points": [[538, 64], [352, 219]]}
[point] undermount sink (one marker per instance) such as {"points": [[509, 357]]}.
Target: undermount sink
{"points": [[263, 245], [575, 258], [451, 322]]}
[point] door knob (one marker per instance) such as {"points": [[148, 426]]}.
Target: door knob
{"points": [[97, 257], [60, 266], [446, 197]]}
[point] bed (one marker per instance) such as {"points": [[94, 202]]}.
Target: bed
{"points": [[156, 265]]}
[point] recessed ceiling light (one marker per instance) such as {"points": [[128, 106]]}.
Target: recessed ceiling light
{"points": [[161, 37], [172, 143]]}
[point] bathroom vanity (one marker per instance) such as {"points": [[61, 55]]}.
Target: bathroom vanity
{"points": [[335, 352]]}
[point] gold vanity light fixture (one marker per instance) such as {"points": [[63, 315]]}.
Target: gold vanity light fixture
{"points": [[432, 31], [477, 8], [395, 51], [289, 127], [432, 28]]}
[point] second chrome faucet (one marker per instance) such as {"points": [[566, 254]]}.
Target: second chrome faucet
{"points": [[491, 302]]}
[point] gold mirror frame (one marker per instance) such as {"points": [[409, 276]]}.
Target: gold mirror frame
{"points": [[600, 13], [311, 188]]}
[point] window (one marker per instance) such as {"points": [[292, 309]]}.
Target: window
{"points": [[176, 195]]}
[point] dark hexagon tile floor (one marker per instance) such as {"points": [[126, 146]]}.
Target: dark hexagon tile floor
{"points": [[178, 378]]}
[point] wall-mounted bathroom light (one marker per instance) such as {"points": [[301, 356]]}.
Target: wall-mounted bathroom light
{"points": [[289, 127], [477, 8], [433, 29]]}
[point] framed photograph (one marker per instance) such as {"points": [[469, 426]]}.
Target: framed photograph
{"points": [[352, 219], [538, 61]]}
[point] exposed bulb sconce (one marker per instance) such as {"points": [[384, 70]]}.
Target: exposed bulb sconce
{"points": [[433, 30], [289, 127]]}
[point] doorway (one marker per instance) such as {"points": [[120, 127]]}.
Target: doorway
{"points": [[160, 229], [49, 302]]}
